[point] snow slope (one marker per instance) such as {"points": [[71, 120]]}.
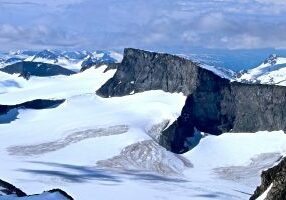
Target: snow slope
{"points": [[221, 71], [264, 195], [96, 148], [271, 71], [17, 89]]}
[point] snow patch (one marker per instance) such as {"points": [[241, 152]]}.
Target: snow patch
{"points": [[264, 194]]}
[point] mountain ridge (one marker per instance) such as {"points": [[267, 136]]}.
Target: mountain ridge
{"points": [[143, 70], [214, 104]]}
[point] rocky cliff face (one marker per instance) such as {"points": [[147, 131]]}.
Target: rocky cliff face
{"points": [[218, 106], [142, 70], [273, 179], [214, 105]]}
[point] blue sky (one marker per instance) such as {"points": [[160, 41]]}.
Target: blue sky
{"points": [[149, 24]]}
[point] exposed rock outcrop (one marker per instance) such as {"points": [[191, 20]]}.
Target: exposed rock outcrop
{"points": [[273, 179], [27, 69], [7, 189], [218, 106], [214, 105], [142, 70]]}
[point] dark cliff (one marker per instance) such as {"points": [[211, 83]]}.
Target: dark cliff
{"points": [[275, 176], [221, 106], [214, 105], [142, 70]]}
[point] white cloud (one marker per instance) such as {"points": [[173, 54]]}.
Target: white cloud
{"points": [[278, 2], [35, 37], [49, 3], [151, 24]]}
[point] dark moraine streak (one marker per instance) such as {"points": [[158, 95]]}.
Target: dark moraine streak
{"points": [[275, 176], [27, 69], [34, 104], [214, 105]]}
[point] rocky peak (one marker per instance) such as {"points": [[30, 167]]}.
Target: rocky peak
{"points": [[272, 59], [214, 105], [47, 54], [143, 70]]}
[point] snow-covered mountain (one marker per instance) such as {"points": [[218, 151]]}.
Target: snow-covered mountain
{"points": [[82, 60], [224, 72], [46, 56], [72, 60], [10, 192], [236, 60], [100, 57], [91, 147], [102, 148], [271, 71]]}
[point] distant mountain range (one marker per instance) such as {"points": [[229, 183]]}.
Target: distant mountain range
{"points": [[72, 60], [269, 71]]}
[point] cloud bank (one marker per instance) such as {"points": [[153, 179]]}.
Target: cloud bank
{"points": [[151, 24]]}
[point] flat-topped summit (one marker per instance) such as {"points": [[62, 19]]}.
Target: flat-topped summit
{"points": [[143, 70], [214, 105]]}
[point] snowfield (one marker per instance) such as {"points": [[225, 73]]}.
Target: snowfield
{"points": [[268, 73], [18, 90], [96, 148]]}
